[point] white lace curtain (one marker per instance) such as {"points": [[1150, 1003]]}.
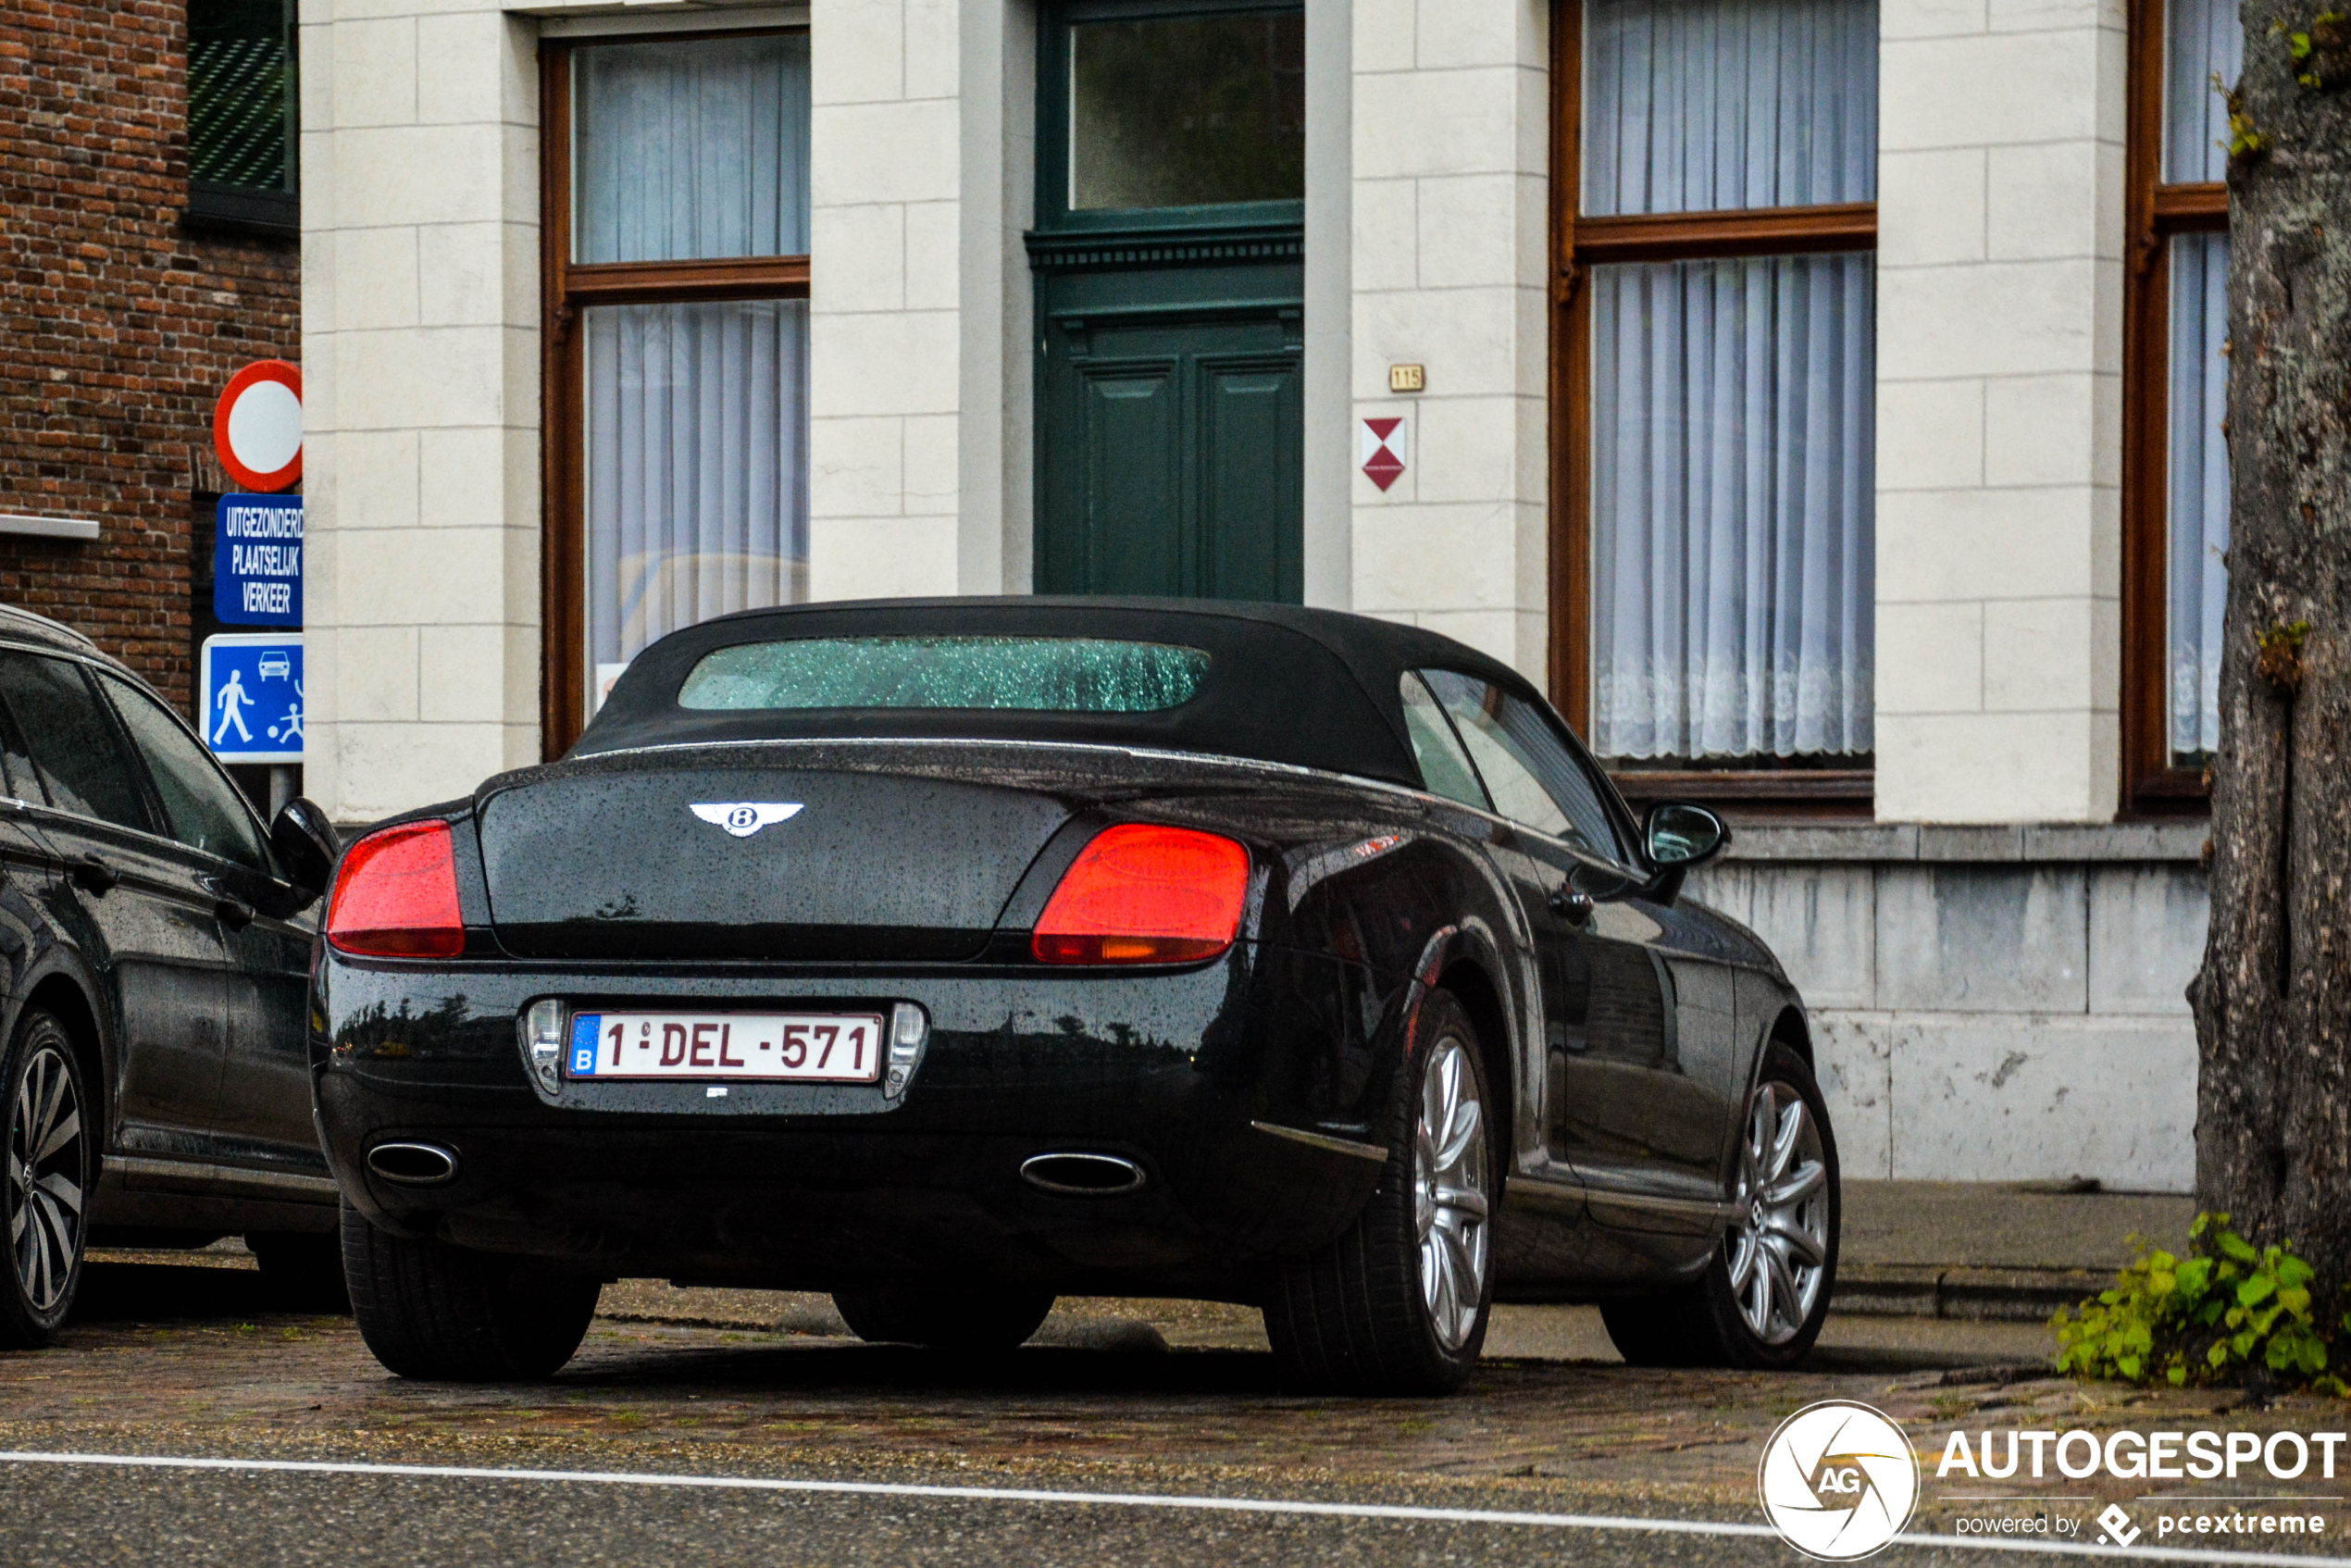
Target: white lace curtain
{"points": [[1732, 461], [697, 415], [2203, 39]]}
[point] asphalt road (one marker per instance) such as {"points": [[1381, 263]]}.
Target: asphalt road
{"points": [[60, 1514], [824, 1451]]}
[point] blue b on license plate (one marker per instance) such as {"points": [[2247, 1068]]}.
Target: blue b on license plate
{"points": [[719, 1047]]}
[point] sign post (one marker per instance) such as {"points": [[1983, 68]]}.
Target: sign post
{"points": [[256, 577]]}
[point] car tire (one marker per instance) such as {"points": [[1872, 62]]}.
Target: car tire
{"points": [[1766, 1288], [1382, 1310], [50, 1151], [443, 1313], [301, 1271], [945, 1316]]}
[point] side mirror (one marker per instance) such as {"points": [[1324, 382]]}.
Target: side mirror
{"points": [[306, 845], [1679, 836]]}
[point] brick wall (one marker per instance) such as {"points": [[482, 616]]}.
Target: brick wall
{"points": [[118, 326]]}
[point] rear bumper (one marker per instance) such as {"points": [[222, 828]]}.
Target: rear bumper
{"points": [[817, 1187]]}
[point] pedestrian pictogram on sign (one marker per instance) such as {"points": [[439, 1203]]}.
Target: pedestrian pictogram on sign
{"points": [[257, 426], [257, 560], [1384, 449], [253, 697]]}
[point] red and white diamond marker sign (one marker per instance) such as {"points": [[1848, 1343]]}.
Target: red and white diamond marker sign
{"points": [[1384, 449]]}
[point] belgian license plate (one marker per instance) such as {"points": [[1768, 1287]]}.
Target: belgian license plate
{"points": [[802, 1047]]}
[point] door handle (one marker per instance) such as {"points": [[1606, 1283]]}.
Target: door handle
{"points": [[92, 874], [235, 913], [1572, 904]]}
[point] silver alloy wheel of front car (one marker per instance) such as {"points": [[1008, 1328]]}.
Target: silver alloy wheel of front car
{"points": [[1779, 1235], [44, 1169], [1449, 1206]]}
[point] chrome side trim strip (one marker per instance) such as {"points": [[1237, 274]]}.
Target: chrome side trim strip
{"points": [[143, 1165], [292, 1182], [1326, 1143], [1703, 1208], [277, 1181]]}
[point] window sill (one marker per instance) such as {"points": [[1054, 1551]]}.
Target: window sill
{"points": [[2023, 843], [2171, 792], [258, 214], [1758, 792]]}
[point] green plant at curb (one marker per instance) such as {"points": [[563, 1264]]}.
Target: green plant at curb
{"points": [[2224, 1311]]}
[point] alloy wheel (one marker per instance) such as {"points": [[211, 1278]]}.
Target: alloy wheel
{"points": [[1449, 1205], [45, 1168], [1779, 1234]]}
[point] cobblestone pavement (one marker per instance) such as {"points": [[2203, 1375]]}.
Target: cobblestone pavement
{"points": [[185, 1362]]}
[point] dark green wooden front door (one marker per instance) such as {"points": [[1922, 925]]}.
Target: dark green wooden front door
{"points": [[1171, 457], [1168, 256]]}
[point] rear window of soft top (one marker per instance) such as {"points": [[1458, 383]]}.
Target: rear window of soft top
{"points": [[1085, 675]]}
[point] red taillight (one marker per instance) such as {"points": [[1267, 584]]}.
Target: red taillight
{"points": [[396, 896], [1140, 894]]}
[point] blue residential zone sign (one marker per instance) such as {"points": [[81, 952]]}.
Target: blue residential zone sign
{"points": [[252, 696], [257, 560]]}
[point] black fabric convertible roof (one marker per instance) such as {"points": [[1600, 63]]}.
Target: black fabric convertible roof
{"points": [[1311, 688]]}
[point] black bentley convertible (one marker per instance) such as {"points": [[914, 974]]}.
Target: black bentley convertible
{"points": [[952, 956]]}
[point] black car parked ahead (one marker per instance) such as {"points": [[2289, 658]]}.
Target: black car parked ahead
{"points": [[154, 946], [950, 955]]}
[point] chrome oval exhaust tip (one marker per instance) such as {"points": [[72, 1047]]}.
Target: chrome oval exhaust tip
{"points": [[1074, 1175], [414, 1165]]}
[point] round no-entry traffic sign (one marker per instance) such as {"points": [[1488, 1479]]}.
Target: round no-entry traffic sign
{"points": [[257, 426]]}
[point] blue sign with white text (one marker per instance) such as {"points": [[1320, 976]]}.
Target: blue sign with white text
{"points": [[257, 560], [253, 697]]}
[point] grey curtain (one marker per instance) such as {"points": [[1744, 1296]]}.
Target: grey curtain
{"points": [[685, 151], [697, 415], [697, 467], [2198, 485], [1699, 106], [1733, 457], [2203, 40], [1733, 572]]}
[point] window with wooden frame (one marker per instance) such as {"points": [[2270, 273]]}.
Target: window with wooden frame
{"points": [[676, 279], [1714, 185], [2175, 454]]}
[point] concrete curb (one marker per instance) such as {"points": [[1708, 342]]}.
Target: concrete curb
{"points": [[2013, 1295]]}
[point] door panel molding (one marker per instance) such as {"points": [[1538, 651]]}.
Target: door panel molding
{"points": [[1180, 497]]}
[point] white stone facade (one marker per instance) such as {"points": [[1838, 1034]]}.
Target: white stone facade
{"points": [[1451, 193], [2000, 409], [1428, 222], [1429, 132], [1990, 1003], [885, 332], [420, 357]]}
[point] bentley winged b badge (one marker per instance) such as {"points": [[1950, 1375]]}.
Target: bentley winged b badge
{"points": [[742, 819]]}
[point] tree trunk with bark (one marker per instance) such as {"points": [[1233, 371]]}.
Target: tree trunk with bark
{"points": [[2273, 1002]]}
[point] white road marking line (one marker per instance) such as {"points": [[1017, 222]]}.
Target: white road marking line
{"points": [[1127, 1500]]}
